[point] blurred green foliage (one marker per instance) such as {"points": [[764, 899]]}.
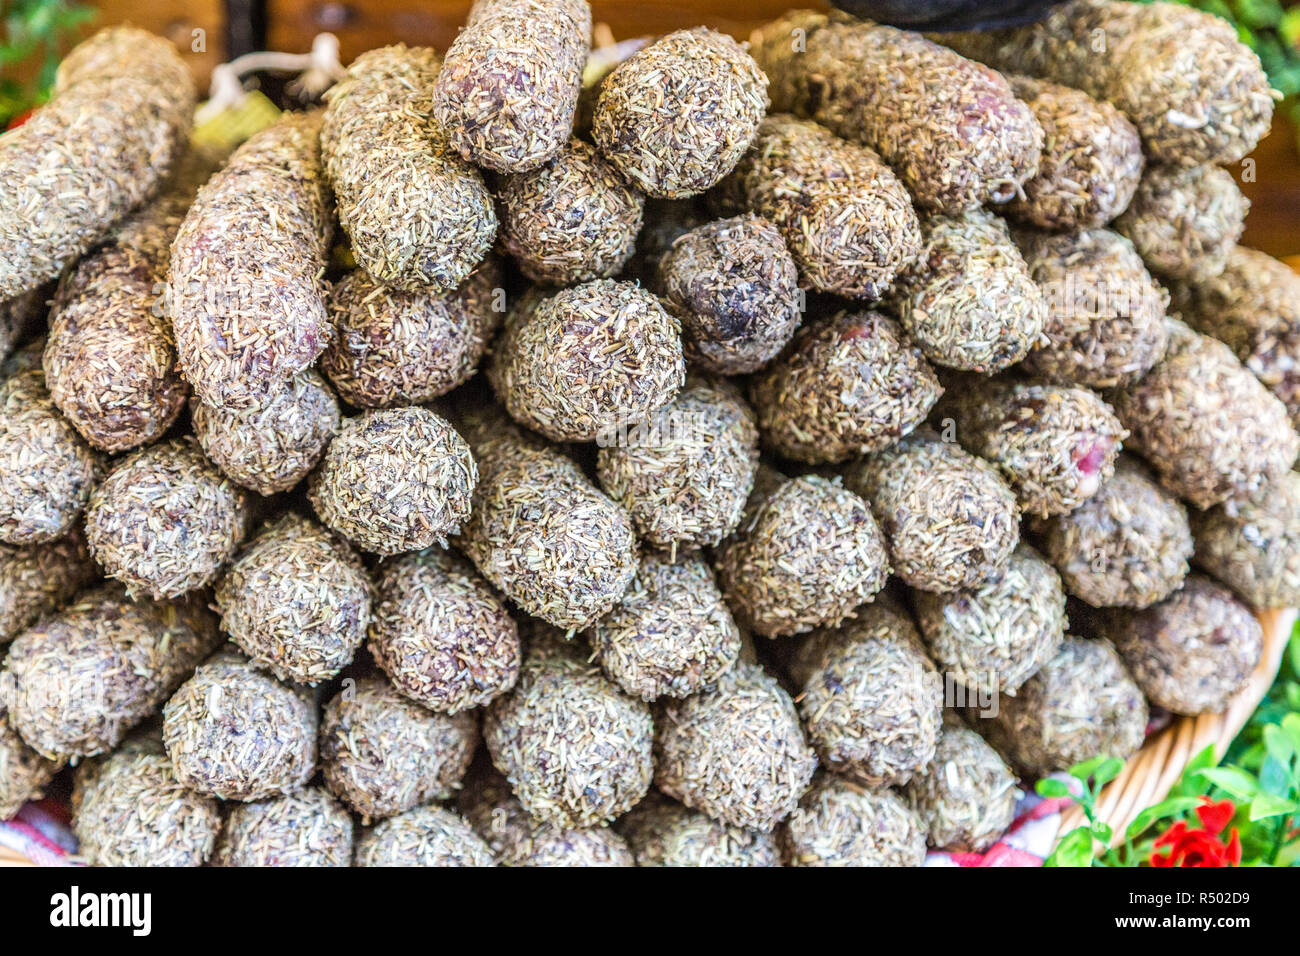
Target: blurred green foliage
{"points": [[34, 35]]}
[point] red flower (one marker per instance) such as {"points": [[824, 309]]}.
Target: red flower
{"points": [[1201, 847]]}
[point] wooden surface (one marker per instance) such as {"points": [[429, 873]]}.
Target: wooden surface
{"points": [[1273, 225], [363, 24], [175, 19]]}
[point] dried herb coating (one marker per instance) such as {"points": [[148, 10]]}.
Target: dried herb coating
{"points": [[1184, 222], [518, 840], [235, 732], [572, 219], [164, 520], [271, 448], [840, 823], [1252, 544], [78, 680], [508, 91], [1054, 444], [383, 754], [1105, 314], [424, 836], [493, 436], [1196, 93], [296, 600], [110, 362], [575, 748], [121, 113], [307, 828], [547, 846], [736, 752], [671, 635], [948, 518], [684, 476], [24, 773], [806, 554], [130, 810], [994, 637], [663, 833], [442, 634], [966, 797], [951, 129], [408, 348], [845, 217], [1207, 426], [40, 578], [1127, 545], [871, 701], [1191, 652], [846, 386], [246, 267], [588, 361], [47, 470], [1253, 306], [1081, 704], [394, 480], [389, 163], [542, 534], [675, 117], [1092, 159], [735, 287], [968, 301]]}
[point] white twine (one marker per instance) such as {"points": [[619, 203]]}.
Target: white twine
{"points": [[318, 71]]}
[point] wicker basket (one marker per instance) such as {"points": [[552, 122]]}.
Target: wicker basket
{"points": [[1147, 778]]}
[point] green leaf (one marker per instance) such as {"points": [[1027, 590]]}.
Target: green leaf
{"points": [[1236, 782], [1289, 855], [1274, 777], [1075, 849], [1202, 760], [1102, 832], [1174, 806], [1291, 724], [1260, 14], [1050, 787], [1266, 805], [1085, 770], [1107, 771], [1219, 8], [1279, 744]]}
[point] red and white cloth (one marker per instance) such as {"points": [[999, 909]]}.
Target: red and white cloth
{"points": [[42, 832], [1027, 842]]}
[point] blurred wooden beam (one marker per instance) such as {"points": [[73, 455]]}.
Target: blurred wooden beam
{"points": [[177, 20], [361, 25], [1273, 225]]}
